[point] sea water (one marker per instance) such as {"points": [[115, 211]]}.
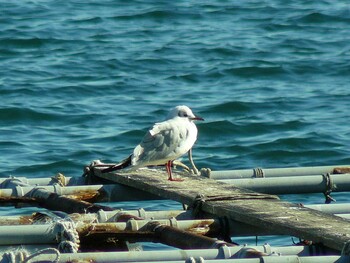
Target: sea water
{"points": [[84, 80]]}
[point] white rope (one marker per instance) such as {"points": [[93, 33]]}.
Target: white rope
{"points": [[64, 228], [15, 256], [67, 234], [10, 257], [42, 252]]}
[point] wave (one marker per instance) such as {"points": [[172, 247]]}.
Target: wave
{"points": [[255, 71], [20, 114], [322, 18]]}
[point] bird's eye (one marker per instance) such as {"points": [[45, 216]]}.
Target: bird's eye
{"points": [[182, 114]]}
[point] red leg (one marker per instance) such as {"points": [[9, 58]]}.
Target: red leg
{"points": [[168, 169]]}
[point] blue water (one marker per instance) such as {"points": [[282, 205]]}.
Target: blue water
{"points": [[83, 80]]}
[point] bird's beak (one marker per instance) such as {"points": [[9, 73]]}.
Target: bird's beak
{"points": [[197, 118]]}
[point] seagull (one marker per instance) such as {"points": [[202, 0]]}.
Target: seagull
{"points": [[164, 143]]}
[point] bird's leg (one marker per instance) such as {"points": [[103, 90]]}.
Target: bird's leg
{"points": [[195, 170], [184, 166], [168, 169]]}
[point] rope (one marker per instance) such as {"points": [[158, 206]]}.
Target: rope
{"points": [[12, 182], [196, 206], [60, 179], [67, 235], [195, 260], [64, 229], [68, 247], [24, 257], [48, 217], [329, 188], [258, 172], [42, 252], [13, 257], [89, 171]]}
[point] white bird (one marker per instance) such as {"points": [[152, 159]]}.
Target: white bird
{"points": [[164, 143]]}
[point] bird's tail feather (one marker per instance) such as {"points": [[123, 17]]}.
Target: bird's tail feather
{"points": [[123, 164]]}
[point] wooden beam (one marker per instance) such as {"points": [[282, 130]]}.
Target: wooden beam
{"points": [[220, 199]]}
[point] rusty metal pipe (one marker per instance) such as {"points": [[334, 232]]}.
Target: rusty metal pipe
{"points": [[54, 201], [51, 196], [108, 193], [44, 181], [181, 239]]}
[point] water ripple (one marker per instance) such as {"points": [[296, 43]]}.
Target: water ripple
{"points": [[82, 81]]}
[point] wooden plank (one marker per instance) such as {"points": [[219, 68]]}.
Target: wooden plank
{"points": [[242, 205]]}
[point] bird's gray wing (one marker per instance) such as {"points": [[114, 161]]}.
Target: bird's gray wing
{"points": [[159, 143]]}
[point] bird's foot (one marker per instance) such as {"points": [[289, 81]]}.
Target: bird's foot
{"points": [[176, 179], [194, 170], [168, 169], [182, 165]]}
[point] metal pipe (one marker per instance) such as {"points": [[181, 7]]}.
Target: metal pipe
{"points": [[43, 233], [182, 236], [175, 237], [212, 227], [52, 197], [270, 172], [177, 217], [112, 216], [27, 234], [196, 226], [294, 184], [214, 255], [102, 216], [346, 216], [119, 215], [68, 181], [331, 208], [133, 229], [107, 193], [20, 191], [116, 215], [28, 248], [281, 185], [228, 174], [267, 259], [185, 220], [274, 185], [58, 202]]}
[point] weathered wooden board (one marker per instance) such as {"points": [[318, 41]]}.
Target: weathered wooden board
{"points": [[242, 205]]}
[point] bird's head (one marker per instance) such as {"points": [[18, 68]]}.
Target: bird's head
{"points": [[183, 111]]}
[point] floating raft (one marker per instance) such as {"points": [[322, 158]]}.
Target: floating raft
{"points": [[259, 210], [217, 212]]}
